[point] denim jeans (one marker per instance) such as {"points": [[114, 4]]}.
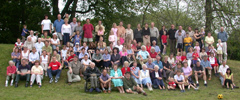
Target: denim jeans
{"points": [[27, 77], [66, 38], [17, 62], [54, 72], [187, 48]]}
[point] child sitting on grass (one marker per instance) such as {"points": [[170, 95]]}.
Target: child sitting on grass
{"points": [[178, 57], [179, 80], [189, 84], [184, 57], [171, 84]]}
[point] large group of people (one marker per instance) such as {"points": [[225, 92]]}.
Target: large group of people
{"points": [[73, 47]]}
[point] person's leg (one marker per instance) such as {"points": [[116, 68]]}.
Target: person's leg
{"points": [[92, 82], [121, 87], [33, 77], [109, 86], [95, 81], [64, 38], [210, 73], [13, 76], [227, 84], [196, 77], [7, 79], [39, 79], [70, 75], [174, 48], [224, 50], [76, 78], [49, 72], [180, 86], [58, 73], [222, 80], [162, 84], [27, 78], [183, 87]]}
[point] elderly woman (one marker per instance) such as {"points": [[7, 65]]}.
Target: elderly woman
{"points": [[156, 76], [115, 57], [153, 53], [209, 40], [116, 75], [11, 70], [145, 77], [157, 49], [37, 72], [16, 57], [39, 45], [55, 42], [135, 71], [29, 44], [167, 72], [143, 55], [125, 68]]}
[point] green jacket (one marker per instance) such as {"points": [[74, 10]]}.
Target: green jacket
{"points": [[128, 83]]}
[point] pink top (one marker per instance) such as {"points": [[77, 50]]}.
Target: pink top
{"points": [[198, 49], [121, 40], [123, 54], [11, 70], [114, 31], [100, 32], [88, 28], [111, 38], [178, 58]]}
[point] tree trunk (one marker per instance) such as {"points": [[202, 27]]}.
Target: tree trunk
{"points": [[144, 13], [55, 8], [74, 6], [65, 9], [209, 18]]}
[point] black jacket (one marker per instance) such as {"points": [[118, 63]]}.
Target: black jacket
{"points": [[90, 71]]}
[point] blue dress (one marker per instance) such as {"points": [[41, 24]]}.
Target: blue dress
{"points": [[116, 82], [146, 79], [135, 71]]}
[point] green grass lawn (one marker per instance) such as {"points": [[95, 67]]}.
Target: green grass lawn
{"points": [[62, 91]]}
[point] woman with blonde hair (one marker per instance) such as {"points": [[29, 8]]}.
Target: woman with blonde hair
{"points": [[37, 72], [114, 30], [66, 31]]}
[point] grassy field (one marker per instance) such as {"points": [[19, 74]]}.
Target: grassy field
{"points": [[62, 91]]}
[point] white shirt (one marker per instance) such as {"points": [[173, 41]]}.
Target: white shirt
{"points": [[219, 46], [212, 60], [171, 60], [64, 53], [83, 61], [116, 74], [33, 56], [39, 46], [66, 29], [222, 69], [46, 24], [44, 59], [156, 74], [25, 55], [33, 38], [54, 41], [119, 47]]}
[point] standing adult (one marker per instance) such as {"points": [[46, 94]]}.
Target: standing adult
{"points": [[114, 29], [191, 34], [161, 32], [66, 31], [58, 26], [46, 25], [172, 39], [198, 37], [209, 40], [154, 33], [97, 29], [74, 24], [129, 34], [88, 28], [121, 30], [146, 34], [222, 35], [138, 33]]}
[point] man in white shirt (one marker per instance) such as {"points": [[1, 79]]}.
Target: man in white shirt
{"points": [[222, 70], [33, 56], [84, 64], [34, 38], [119, 46], [39, 46]]}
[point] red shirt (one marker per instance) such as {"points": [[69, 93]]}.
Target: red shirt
{"points": [[183, 58], [148, 48], [172, 84], [88, 28], [196, 56], [153, 55], [55, 65], [134, 47], [11, 69], [124, 71], [70, 58], [164, 38]]}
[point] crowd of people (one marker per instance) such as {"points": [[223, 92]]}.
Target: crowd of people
{"points": [[73, 47]]}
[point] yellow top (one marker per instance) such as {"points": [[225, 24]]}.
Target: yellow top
{"points": [[228, 77], [187, 41]]}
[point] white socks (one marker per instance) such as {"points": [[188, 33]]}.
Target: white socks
{"points": [[197, 82], [205, 82]]}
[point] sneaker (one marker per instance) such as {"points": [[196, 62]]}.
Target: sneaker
{"points": [[181, 90], [11, 84], [145, 94], [98, 90], [6, 85], [16, 84], [235, 87], [91, 90], [197, 85], [51, 80], [205, 85], [196, 89], [56, 80]]}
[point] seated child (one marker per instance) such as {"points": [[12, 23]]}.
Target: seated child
{"points": [[171, 84], [179, 80]]}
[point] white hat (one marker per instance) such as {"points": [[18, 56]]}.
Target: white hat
{"points": [[55, 33]]}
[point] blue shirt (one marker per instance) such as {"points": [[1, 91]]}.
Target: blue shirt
{"points": [[23, 33], [58, 25], [144, 54], [150, 65], [81, 55], [205, 63], [157, 49], [223, 36], [159, 64], [106, 57]]}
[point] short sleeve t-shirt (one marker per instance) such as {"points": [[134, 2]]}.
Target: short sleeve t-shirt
{"points": [[24, 69], [198, 68], [179, 78], [54, 41], [46, 24], [37, 69], [172, 84], [104, 78], [187, 70], [164, 38], [55, 65]]}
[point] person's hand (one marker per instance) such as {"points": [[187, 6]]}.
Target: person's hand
{"points": [[60, 68], [141, 59], [42, 31], [137, 77], [81, 75], [9, 74], [22, 74], [50, 31], [70, 71]]}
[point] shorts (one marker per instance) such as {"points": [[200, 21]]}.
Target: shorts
{"points": [[214, 65], [48, 31], [219, 52], [88, 40], [59, 36], [179, 45], [164, 43]]}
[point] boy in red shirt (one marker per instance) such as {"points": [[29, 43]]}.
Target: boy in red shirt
{"points": [[164, 42], [195, 57], [54, 68], [171, 84], [11, 70]]}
